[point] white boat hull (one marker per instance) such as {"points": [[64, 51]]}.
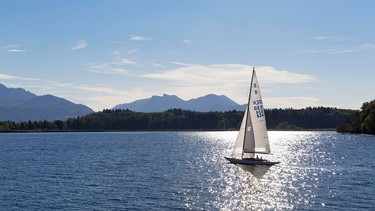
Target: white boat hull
{"points": [[251, 161]]}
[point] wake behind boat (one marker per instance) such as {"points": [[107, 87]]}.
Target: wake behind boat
{"points": [[252, 138]]}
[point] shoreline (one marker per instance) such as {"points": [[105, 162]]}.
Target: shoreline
{"points": [[166, 130]]}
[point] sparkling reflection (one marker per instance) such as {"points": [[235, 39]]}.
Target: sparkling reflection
{"points": [[298, 182], [257, 171]]}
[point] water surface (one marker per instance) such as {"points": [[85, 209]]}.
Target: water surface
{"points": [[184, 170]]}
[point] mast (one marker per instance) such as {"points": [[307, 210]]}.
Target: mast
{"points": [[247, 113]]}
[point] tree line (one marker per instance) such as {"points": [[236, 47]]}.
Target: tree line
{"points": [[177, 119], [364, 120]]}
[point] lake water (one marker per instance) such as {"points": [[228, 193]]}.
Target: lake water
{"points": [[182, 171]]}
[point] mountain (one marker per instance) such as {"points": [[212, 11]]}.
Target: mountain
{"points": [[11, 97], [21, 105], [209, 102], [213, 102], [154, 104]]}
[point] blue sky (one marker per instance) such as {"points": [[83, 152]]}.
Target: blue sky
{"points": [[103, 53]]}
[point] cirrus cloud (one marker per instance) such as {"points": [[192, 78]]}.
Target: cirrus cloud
{"points": [[14, 48], [228, 73], [139, 38], [80, 44], [11, 77]]}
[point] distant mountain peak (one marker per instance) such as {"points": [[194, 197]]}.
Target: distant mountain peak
{"points": [[210, 102], [11, 97], [17, 104]]}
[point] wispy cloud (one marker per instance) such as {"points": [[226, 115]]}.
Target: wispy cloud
{"points": [[128, 61], [157, 65], [11, 77], [102, 97], [14, 48], [271, 75], [115, 67], [291, 102], [355, 49], [6, 77], [116, 52], [333, 39], [363, 47], [139, 38], [227, 79], [187, 42], [332, 47], [222, 74], [119, 65], [103, 90], [320, 51], [320, 38], [80, 44], [107, 68]]}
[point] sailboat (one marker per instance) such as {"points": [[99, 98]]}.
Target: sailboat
{"points": [[252, 139]]}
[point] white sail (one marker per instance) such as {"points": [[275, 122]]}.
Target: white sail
{"points": [[252, 137], [256, 137], [238, 146]]}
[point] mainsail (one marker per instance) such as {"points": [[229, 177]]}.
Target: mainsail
{"points": [[252, 137]]}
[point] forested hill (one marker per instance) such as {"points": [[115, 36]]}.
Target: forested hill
{"points": [[309, 118], [177, 119]]}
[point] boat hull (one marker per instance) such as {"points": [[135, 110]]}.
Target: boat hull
{"points": [[251, 161]]}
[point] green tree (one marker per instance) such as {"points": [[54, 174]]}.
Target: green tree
{"points": [[367, 116]]}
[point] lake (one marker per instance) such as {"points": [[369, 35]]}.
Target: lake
{"points": [[184, 171]]}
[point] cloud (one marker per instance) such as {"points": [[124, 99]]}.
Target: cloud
{"points": [[342, 50], [116, 67], [232, 80], [335, 49], [128, 61], [133, 51], [139, 38], [96, 89], [157, 65], [223, 74], [334, 39], [116, 52], [79, 45], [271, 75], [321, 38], [14, 48], [103, 97], [114, 71], [355, 49], [291, 102], [6, 77], [11, 77], [187, 42]]}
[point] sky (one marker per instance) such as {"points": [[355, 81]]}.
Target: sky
{"points": [[104, 53]]}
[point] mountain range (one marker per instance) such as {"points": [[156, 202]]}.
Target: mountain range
{"points": [[206, 103], [17, 104]]}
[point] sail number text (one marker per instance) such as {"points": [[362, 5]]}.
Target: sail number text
{"points": [[258, 108]]}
